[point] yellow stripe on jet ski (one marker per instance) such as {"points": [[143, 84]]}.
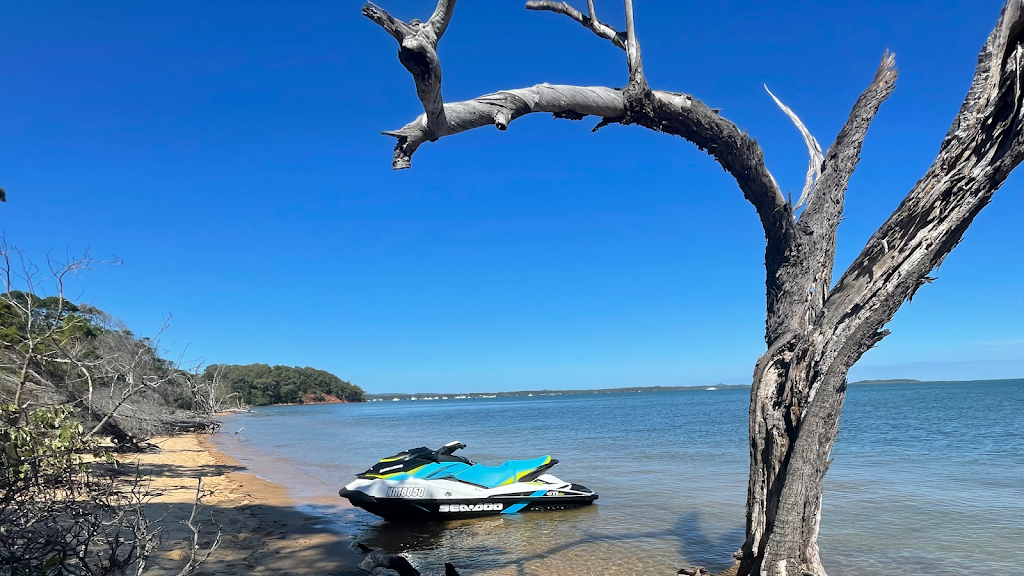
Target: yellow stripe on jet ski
{"points": [[392, 459], [393, 474], [516, 478]]}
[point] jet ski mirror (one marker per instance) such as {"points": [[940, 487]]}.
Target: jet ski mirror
{"points": [[449, 448]]}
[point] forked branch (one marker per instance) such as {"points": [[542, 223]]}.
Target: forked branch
{"points": [[418, 53], [844, 155], [589, 22], [624, 40]]}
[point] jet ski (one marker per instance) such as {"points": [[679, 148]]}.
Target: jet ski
{"points": [[425, 484]]}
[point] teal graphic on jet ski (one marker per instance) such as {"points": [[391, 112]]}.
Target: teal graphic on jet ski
{"points": [[425, 484]]}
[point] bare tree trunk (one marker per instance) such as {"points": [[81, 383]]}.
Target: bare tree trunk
{"points": [[800, 384], [815, 332], [790, 446]]}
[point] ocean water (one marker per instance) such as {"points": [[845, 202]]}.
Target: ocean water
{"points": [[928, 478]]}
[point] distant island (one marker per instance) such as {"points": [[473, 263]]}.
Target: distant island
{"points": [[265, 385]]}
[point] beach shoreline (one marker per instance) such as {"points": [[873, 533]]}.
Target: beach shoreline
{"points": [[262, 530]]}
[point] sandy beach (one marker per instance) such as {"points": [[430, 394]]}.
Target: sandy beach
{"points": [[262, 532]]}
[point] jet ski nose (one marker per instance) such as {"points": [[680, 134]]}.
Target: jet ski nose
{"points": [[356, 497]]}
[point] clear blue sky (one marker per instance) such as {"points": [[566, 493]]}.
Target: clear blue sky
{"points": [[230, 153]]}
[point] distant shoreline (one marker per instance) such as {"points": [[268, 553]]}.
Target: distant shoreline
{"points": [[418, 396], [464, 395]]}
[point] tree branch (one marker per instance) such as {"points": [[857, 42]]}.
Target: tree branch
{"points": [[828, 197], [844, 155], [589, 22], [441, 17], [739, 154], [636, 65], [500, 108], [813, 149], [195, 558], [672, 113], [398, 29], [985, 142]]}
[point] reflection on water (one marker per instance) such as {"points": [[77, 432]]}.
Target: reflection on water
{"points": [[926, 478], [551, 543]]}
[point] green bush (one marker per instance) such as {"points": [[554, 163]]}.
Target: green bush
{"points": [[58, 516]]}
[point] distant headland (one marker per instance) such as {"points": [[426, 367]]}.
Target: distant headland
{"points": [[265, 385]]}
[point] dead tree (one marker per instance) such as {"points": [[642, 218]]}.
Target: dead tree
{"points": [[815, 331], [129, 367], [38, 335]]}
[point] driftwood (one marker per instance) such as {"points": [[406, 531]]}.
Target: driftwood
{"points": [[123, 441], [194, 425], [814, 331], [380, 563]]}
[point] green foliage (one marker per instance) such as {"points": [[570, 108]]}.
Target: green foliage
{"points": [[58, 516], [68, 319], [45, 443], [261, 384]]}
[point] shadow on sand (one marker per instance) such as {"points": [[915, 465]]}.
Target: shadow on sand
{"points": [[262, 538]]}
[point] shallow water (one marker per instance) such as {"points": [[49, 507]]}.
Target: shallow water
{"points": [[927, 478]]}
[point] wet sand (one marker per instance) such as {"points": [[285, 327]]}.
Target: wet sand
{"points": [[262, 533]]}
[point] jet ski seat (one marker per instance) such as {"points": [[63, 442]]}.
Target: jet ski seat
{"points": [[508, 473]]}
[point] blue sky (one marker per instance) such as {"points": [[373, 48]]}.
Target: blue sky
{"points": [[230, 153]]}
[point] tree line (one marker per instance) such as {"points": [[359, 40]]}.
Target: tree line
{"points": [[263, 385]]}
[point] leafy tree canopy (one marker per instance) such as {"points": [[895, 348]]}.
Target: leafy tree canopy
{"points": [[262, 384]]}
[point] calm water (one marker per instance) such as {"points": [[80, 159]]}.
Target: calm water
{"points": [[927, 479]]}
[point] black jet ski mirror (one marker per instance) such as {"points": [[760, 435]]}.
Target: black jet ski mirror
{"points": [[450, 448]]}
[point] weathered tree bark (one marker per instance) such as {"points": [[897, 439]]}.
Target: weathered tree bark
{"points": [[814, 331]]}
